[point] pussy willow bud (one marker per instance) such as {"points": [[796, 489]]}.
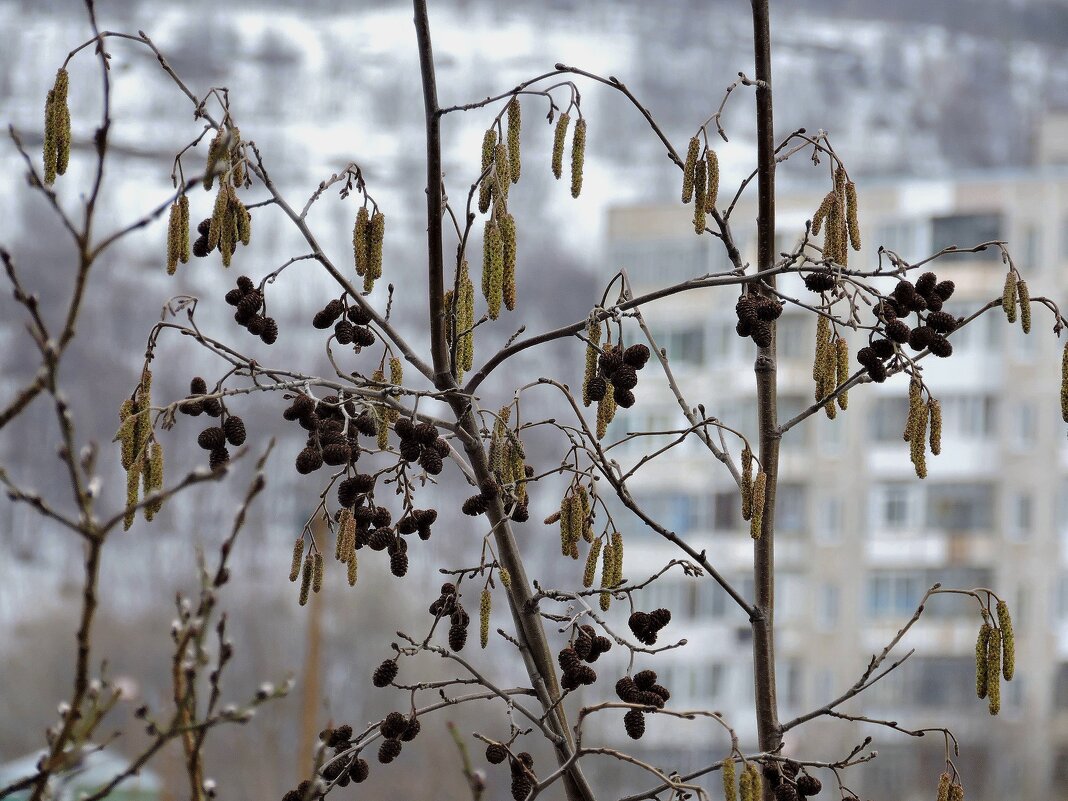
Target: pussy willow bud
{"points": [[851, 215], [514, 127], [507, 226], [1025, 305], [821, 213], [591, 563], [593, 349], [306, 579], [606, 410], [729, 789], [361, 243], [493, 268], [1008, 641], [485, 189], [298, 553], [700, 185], [1008, 296], [484, 617], [842, 370], [993, 671], [578, 156], [559, 139], [747, 483], [982, 666], [759, 488], [692, 152], [712, 192], [934, 408]]}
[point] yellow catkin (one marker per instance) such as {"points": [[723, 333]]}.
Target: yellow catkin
{"points": [[1008, 296], [956, 793], [515, 124], [841, 370], [821, 213], [306, 579], [153, 478], [839, 217], [215, 153], [485, 189], [915, 400], [244, 222], [729, 781], [351, 572], [593, 350], [934, 409], [578, 156], [829, 372], [396, 371], [584, 512], [559, 140], [173, 242], [567, 522], [143, 425], [918, 441], [237, 161], [1025, 305], [126, 435], [361, 253], [342, 521], [993, 671], [508, 243], [747, 483], [50, 151], [183, 228], [745, 785], [981, 663], [133, 488], [1064, 383], [712, 169], [484, 617], [317, 573], [851, 215], [606, 410], [1008, 641], [505, 577], [493, 268], [700, 185], [759, 488], [819, 361], [62, 136], [617, 557], [591, 563], [465, 320], [228, 234], [501, 171], [57, 129], [298, 554], [943, 787], [519, 475], [376, 237], [575, 525], [693, 150], [608, 561], [218, 217]]}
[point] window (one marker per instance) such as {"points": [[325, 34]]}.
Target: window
{"points": [[726, 511], [960, 507], [793, 338], [684, 345], [827, 609], [968, 416], [722, 340], [894, 506], [1032, 251], [790, 508], [1021, 516], [676, 511], [791, 596], [829, 520], [887, 420], [788, 682], [901, 237], [966, 230], [894, 594], [1022, 425]]}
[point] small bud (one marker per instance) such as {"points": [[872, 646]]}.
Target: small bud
{"points": [[559, 139]]}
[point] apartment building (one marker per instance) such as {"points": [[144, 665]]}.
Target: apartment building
{"points": [[860, 538]]}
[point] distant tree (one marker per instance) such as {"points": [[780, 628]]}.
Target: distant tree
{"points": [[391, 419]]}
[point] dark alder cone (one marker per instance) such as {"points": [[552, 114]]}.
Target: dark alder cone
{"points": [[903, 292], [944, 289], [381, 539], [610, 360], [192, 408], [389, 750], [786, 792], [662, 691], [212, 407], [339, 736], [582, 646], [790, 768], [746, 308], [887, 309], [601, 645], [381, 516], [934, 303], [636, 356], [398, 564], [926, 283], [384, 674], [333, 770], [309, 422], [569, 680], [441, 446], [768, 309], [524, 758], [809, 785], [639, 622], [362, 482], [626, 377], [771, 776], [244, 283], [424, 533], [198, 386], [204, 226], [624, 398], [584, 674], [942, 322], [883, 348], [363, 336], [645, 679], [256, 325], [597, 389], [322, 320], [405, 428], [921, 337], [762, 334], [743, 328], [411, 730], [359, 770], [634, 723], [398, 545], [424, 433], [234, 428], [393, 725], [425, 517], [250, 303], [474, 506], [626, 690], [877, 371], [243, 316], [521, 787], [941, 347], [362, 515], [898, 330], [649, 698], [660, 617], [233, 297], [459, 616], [343, 332], [200, 247], [489, 490], [916, 302], [819, 282], [366, 424], [218, 457], [568, 659], [430, 461], [410, 450], [521, 513], [308, 461], [407, 525], [211, 438], [359, 315], [336, 454], [496, 753], [867, 357], [457, 637]]}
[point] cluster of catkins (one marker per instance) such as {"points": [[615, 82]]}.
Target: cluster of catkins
{"points": [[700, 182], [351, 329], [419, 442], [642, 689], [142, 455], [618, 368], [995, 656], [587, 647], [950, 788], [755, 314], [788, 785], [646, 625], [249, 301], [448, 604]]}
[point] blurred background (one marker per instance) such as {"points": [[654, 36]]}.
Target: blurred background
{"points": [[951, 117]]}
